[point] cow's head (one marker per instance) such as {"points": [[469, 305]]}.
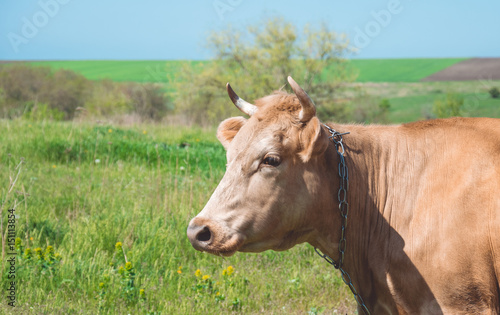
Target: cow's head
{"points": [[271, 182]]}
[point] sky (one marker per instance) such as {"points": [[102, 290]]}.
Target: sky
{"points": [[162, 29]]}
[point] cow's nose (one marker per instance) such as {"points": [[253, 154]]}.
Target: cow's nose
{"points": [[199, 235], [202, 233]]}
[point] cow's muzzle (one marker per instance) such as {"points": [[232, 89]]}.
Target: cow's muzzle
{"points": [[209, 236]]}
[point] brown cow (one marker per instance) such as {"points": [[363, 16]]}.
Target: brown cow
{"points": [[423, 228]]}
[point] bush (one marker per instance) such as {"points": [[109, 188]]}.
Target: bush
{"points": [[148, 100], [65, 91], [107, 99], [494, 92], [449, 106], [37, 93], [25, 86]]}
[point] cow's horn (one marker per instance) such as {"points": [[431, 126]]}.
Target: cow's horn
{"points": [[308, 109], [242, 105]]}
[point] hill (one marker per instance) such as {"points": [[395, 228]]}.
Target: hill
{"points": [[163, 71], [400, 70]]}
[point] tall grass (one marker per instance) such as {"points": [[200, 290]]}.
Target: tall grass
{"points": [[102, 216]]}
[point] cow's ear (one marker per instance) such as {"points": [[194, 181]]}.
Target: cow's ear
{"points": [[313, 140], [228, 129]]}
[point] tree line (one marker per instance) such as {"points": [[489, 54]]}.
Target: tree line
{"points": [[40, 93]]}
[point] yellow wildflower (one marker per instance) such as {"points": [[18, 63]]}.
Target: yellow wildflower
{"points": [[18, 243], [142, 293], [39, 253], [110, 130], [27, 253], [217, 294], [31, 238], [224, 272], [144, 132], [49, 252], [121, 270], [205, 277], [53, 166], [101, 285], [230, 270], [49, 249], [197, 273], [179, 271], [118, 246], [128, 266]]}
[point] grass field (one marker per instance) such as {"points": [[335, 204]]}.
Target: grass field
{"points": [[411, 108], [163, 71], [399, 70], [102, 215]]}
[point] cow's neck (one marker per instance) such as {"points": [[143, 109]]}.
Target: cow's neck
{"points": [[373, 161]]}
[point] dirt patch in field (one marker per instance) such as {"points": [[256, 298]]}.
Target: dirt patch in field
{"points": [[469, 70]]}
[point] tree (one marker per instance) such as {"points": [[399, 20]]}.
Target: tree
{"points": [[257, 60]]}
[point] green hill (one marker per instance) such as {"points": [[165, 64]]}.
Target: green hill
{"points": [[370, 70], [160, 71], [400, 70]]}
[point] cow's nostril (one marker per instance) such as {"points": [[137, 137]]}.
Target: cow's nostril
{"points": [[204, 235]]}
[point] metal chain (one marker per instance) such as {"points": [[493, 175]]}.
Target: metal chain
{"points": [[336, 138]]}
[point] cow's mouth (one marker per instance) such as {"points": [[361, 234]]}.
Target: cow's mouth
{"points": [[208, 236]]}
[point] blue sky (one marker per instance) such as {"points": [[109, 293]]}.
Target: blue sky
{"points": [[160, 29]]}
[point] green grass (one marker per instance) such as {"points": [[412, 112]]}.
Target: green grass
{"points": [[400, 70], [164, 71], [417, 107], [157, 71], [82, 188]]}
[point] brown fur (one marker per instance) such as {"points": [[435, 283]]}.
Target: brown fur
{"points": [[423, 234]]}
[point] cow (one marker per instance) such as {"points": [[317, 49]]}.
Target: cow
{"points": [[422, 201]]}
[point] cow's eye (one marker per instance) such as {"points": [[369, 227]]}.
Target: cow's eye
{"points": [[271, 160]]}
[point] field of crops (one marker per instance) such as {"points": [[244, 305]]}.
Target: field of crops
{"points": [[102, 214], [370, 70]]}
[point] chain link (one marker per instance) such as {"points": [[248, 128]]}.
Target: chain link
{"points": [[337, 139]]}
